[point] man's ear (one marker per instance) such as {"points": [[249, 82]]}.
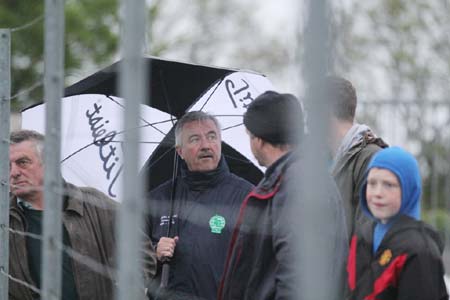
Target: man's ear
{"points": [[260, 141], [178, 149]]}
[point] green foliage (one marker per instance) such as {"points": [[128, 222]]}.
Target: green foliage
{"points": [[405, 56], [439, 219], [200, 31], [222, 33], [436, 189], [91, 36]]}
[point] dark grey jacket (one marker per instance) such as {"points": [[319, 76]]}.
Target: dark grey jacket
{"points": [[262, 261], [349, 174], [89, 218]]}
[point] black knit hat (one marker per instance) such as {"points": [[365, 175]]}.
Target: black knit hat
{"points": [[275, 118]]}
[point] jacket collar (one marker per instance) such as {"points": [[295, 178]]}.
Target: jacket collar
{"points": [[405, 222], [200, 181], [274, 173], [402, 223], [368, 138], [73, 199]]}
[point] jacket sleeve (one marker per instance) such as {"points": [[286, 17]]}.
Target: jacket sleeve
{"points": [[359, 172], [290, 238], [284, 243], [107, 218], [422, 278]]}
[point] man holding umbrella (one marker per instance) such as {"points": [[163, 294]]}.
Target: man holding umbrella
{"points": [[192, 216]]}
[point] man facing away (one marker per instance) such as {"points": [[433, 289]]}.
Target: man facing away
{"points": [[88, 222], [207, 198], [263, 256], [352, 146]]}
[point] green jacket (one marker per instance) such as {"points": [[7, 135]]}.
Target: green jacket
{"points": [[89, 218], [349, 174]]}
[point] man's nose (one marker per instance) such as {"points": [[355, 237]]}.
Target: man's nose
{"points": [[14, 171], [205, 144]]}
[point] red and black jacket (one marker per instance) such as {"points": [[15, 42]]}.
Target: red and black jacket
{"points": [[407, 265]]}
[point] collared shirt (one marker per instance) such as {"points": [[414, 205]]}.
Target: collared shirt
{"points": [[34, 249], [25, 204]]}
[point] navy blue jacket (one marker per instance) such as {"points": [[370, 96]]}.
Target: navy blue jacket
{"points": [[205, 211]]}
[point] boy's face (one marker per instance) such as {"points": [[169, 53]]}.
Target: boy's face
{"points": [[383, 194]]}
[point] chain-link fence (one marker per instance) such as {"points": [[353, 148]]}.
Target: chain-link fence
{"points": [[416, 125]]}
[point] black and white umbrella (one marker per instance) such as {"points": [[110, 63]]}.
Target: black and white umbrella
{"points": [[92, 121]]}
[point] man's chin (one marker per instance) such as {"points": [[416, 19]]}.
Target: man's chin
{"points": [[205, 167], [22, 192]]}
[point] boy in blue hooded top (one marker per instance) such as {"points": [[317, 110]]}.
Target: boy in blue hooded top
{"points": [[397, 256]]}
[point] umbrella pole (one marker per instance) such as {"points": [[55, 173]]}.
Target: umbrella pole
{"points": [[166, 265]]}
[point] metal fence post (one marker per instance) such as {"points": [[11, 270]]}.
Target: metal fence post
{"points": [[132, 82], [53, 92], [5, 94], [316, 252]]}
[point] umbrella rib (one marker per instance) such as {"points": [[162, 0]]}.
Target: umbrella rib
{"points": [[156, 123], [90, 144], [231, 127], [209, 98], [77, 151], [239, 159], [142, 119], [166, 97], [159, 158]]}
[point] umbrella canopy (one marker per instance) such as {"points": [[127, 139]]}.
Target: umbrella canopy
{"points": [[173, 86], [92, 134], [92, 124]]}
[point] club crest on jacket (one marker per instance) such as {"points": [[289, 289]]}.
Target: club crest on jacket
{"points": [[385, 258], [217, 223]]}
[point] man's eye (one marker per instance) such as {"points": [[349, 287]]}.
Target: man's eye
{"points": [[194, 140], [23, 163]]}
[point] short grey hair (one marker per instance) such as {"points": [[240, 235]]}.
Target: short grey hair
{"points": [[20, 136], [192, 117]]}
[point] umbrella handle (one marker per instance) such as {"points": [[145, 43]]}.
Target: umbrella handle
{"points": [[165, 275], [166, 266]]}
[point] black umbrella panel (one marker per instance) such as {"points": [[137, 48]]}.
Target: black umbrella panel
{"points": [[173, 86]]}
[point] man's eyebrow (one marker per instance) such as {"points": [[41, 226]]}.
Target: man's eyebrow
{"points": [[22, 158]]}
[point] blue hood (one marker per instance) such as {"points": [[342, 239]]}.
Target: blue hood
{"points": [[405, 167]]}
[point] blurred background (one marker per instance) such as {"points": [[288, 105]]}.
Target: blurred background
{"points": [[395, 52]]}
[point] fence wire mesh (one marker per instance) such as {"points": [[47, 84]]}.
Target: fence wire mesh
{"points": [[417, 125]]}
